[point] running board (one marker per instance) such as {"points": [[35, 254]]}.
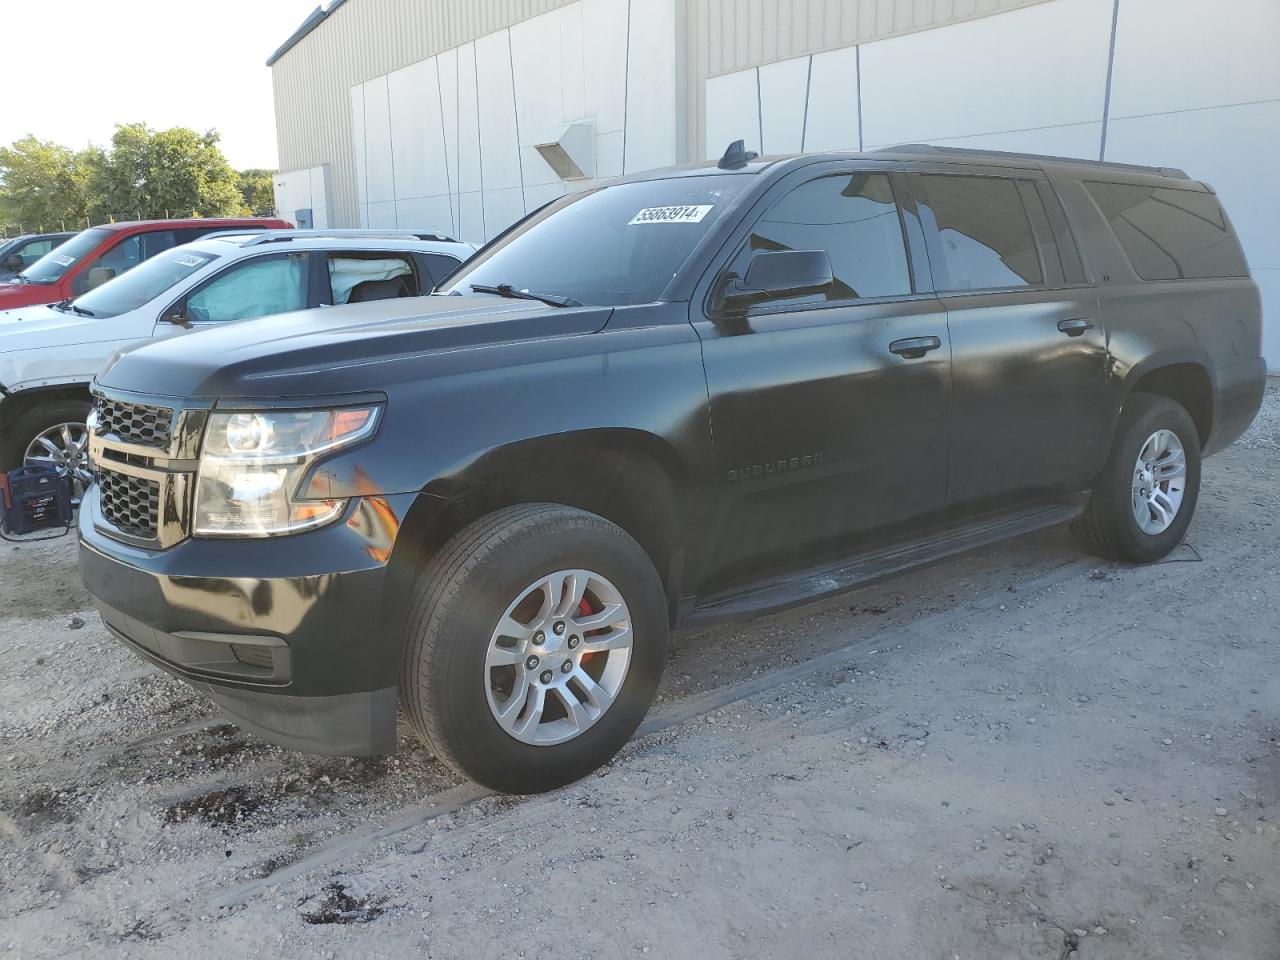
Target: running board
{"points": [[861, 569]]}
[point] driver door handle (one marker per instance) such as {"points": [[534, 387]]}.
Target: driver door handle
{"points": [[913, 348], [1076, 326]]}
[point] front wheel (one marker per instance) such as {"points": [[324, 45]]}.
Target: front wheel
{"points": [[536, 640], [52, 434], [1145, 496]]}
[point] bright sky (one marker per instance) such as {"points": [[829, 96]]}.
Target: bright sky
{"points": [[76, 68]]}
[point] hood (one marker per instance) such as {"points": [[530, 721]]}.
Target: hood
{"points": [[42, 327], [335, 350], [25, 294]]}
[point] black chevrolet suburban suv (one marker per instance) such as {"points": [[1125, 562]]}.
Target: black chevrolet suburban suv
{"points": [[685, 396]]}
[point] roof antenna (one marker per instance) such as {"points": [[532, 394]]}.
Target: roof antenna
{"points": [[736, 156]]}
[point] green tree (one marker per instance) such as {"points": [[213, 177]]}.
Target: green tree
{"points": [[257, 192], [44, 185], [156, 173]]}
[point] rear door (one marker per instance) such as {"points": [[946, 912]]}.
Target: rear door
{"points": [[1029, 352], [825, 426]]}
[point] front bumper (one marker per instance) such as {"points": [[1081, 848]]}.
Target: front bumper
{"points": [[288, 634]]}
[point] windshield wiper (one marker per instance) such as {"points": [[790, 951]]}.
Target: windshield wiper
{"points": [[510, 292], [81, 310]]}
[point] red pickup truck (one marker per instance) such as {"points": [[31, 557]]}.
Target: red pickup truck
{"points": [[94, 256]]}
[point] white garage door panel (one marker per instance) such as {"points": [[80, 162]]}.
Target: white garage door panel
{"points": [[501, 209], [782, 93], [651, 121], [468, 167], [417, 147], [535, 48], [604, 60], [1036, 67], [732, 112], [426, 213], [470, 217], [382, 215], [1181, 54], [500, 151], [608, 155], [1080, 140], [833, 102], [380, 173]]}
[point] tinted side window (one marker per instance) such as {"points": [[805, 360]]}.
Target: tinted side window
{"points": [[854, 218], [1170, 234], [256, 288], [1068, 252], [440, 265], [36, 249], [986, 237]]}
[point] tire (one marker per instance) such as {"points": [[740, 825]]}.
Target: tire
{"points": [[1110, 526], [28, 425], [447, 687]]}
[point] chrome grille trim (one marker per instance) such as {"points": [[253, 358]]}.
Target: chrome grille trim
{"points": [[134, 423], [146, 465], [130, 504]]}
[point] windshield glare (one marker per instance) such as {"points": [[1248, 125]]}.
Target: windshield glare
{"points": [[54, 265], [616, 245], [144, 282]]}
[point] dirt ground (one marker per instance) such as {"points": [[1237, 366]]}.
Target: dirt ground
{"points": [[1020, 753]]}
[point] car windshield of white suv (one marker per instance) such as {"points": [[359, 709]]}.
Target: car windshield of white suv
{"points": [[53, 266], [617, 245], [141, 284]]}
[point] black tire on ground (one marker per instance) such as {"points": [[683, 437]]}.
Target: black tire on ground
{"points": [[1108, 526], [458, 599], [31, 423]]}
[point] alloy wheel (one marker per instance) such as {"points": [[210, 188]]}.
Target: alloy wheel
{"points": [[1159, 482], [558, 657], [65, 447]]}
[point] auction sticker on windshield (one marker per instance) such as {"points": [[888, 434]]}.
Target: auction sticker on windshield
{"points": [[64, 260], [686, 213], [189, 260]]}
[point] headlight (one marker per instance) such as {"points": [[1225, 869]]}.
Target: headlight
{"points": [[252, 463]]}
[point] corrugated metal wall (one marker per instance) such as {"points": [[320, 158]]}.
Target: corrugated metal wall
{"points": [[363, 39], [360, 40]]}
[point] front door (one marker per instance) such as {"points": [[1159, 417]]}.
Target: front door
{"points": [[1029, 353], [828, 411]]}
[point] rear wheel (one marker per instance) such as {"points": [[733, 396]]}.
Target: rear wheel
{"points": [[1145, 496], [537, 637]]}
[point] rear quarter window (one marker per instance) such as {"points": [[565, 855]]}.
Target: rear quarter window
{"points": [[1169, 233]]}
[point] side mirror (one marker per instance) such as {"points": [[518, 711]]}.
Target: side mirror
{"points": [[98, 276], [781, 273], [177, 315]]}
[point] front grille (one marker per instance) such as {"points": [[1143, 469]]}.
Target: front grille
{"points": [[135, 422], [130, 504]]}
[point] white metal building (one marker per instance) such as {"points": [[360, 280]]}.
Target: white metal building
{"points": [[463, 115]]}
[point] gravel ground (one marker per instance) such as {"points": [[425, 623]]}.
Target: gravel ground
{"points": [[1018, 753]]}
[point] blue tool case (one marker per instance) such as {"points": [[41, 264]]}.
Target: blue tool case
{"points": [[34, 498]]}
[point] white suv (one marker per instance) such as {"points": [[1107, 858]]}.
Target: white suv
{"points": [[49, 354]]}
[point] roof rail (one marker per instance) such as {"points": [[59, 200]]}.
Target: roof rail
{"points": [[280, 236], [929, 148]]}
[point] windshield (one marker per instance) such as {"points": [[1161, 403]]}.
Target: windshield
{"points": [[54, 265], [144, 282], [616, 245]]}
